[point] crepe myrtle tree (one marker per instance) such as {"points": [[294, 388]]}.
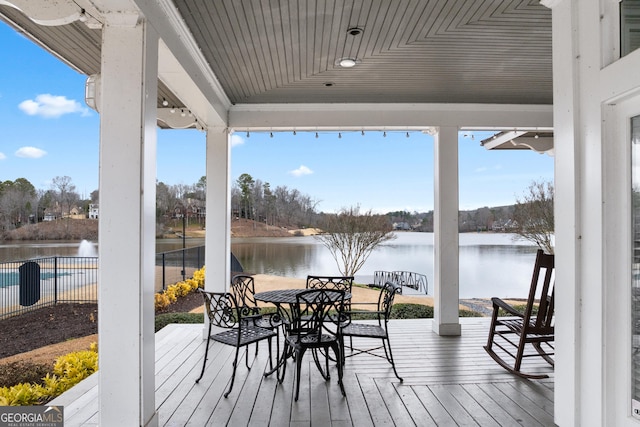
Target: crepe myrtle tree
{"points": [[351, 236], [534, 215]]}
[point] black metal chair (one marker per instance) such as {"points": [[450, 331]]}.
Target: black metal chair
{"points": [[377, 330], [243, 287], [224, 312], [534, 326], [315, 319]]}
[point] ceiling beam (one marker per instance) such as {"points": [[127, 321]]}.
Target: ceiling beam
{"points": [[261, 117], [182, 67]]}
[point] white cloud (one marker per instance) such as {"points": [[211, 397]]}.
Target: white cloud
{"points": [[236, 139], [2, 156], [50, 106], [30, 152], [302, 170]]}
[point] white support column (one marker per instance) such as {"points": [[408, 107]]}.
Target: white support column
{"points": [[218, 236], [445, 227], [579, 200], [127, 223]]}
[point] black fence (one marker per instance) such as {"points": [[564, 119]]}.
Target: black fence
{"points": [[32, 284], [176, 266], [36, 283]]}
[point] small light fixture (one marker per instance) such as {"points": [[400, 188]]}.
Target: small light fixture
{"points": [[328, 84], [182, 113], [407, 134], [339, 135], [536, 136], [362, 133], [172, 110], [165, 102], [248, 134], [294, 132], [316, 134], [270, 134], [384, 134], [347, 62]]}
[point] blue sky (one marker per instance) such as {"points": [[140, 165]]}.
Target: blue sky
{"points": [[48, 131]]}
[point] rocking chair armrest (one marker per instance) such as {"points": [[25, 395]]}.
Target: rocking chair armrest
{"points": [[498, 303]]}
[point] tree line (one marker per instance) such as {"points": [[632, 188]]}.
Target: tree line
{"points": [[21, 203]]}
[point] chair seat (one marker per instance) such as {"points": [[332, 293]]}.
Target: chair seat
{"points": [[248, 335], [516, 326], [312, 340], [367, 331], [267, 322]]}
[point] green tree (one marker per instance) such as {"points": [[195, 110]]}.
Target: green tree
{"points": [[245, 182], [351, 236], [534, 215]]}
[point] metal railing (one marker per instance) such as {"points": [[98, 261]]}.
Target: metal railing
{"points": [[409, 279], [36, 283], [178, 265], [31, 284]]}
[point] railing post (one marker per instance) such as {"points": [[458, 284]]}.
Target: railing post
{"points": [[164, 277], [55, 280]]}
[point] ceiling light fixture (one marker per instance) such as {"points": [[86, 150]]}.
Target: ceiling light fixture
{"points": [[248, 134], [347, 62], [165, 102]]}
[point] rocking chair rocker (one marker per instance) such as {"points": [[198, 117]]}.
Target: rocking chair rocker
{"points": [[513, 333]]}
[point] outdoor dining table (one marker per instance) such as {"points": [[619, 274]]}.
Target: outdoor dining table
{"points": [[285, 301]]}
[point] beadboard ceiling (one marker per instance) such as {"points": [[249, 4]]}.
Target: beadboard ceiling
{"points": [[407, 51]]}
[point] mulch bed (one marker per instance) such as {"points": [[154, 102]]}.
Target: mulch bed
{"points": [[61, 322]]}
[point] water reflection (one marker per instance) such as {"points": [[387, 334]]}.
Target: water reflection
{"points": [[490, 264]]}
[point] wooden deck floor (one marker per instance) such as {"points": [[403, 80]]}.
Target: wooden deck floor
{"points": [[447, 381]]}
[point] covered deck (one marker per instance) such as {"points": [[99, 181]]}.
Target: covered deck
{"points": [[447, 381]]}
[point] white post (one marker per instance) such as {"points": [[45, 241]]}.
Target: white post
{"points": [[127, 223], [218, 236], [445, 227]]}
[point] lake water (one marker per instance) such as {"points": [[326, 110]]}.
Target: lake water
{"points": [[490, 264]]}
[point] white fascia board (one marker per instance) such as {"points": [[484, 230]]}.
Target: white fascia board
{"points": [[620, 79], [182, 67], [256, 117]]}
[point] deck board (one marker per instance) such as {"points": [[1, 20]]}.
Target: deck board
{"points": [[447, 381]]}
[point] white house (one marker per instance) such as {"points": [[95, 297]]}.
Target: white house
{"points": [[442, 67]]}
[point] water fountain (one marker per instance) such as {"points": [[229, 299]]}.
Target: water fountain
{"points": [[87, 249]]}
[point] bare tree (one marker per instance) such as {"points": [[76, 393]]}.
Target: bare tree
{"points": [[351, 237], [534, 215], [65, 192]]}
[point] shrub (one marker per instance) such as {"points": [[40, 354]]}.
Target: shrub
{"points": [[163, 320], [68, 370], [180, 289], [411, 311]]}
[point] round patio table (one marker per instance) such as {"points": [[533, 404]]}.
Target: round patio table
{"points": [[281, 298]]}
